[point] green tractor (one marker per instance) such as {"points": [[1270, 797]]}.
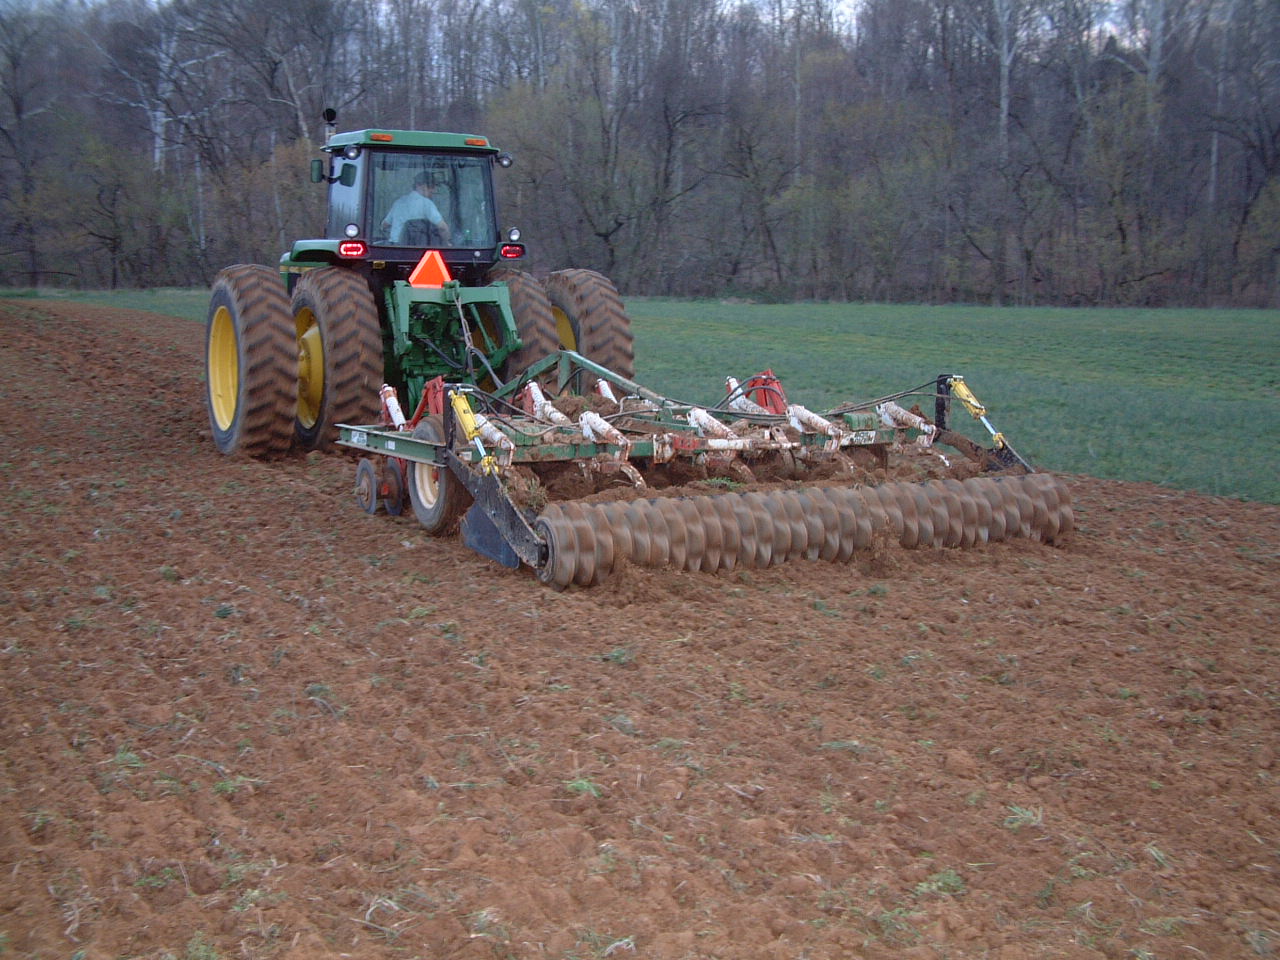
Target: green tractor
{"points": [[527, 403], [412, 280]]}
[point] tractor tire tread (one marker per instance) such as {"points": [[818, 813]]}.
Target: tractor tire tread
{"points": [[269, 359], [353, 350], [534, 322], [604, 328]]}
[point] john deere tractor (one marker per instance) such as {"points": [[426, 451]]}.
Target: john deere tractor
{"points": [[293, 352], [526, 402]]}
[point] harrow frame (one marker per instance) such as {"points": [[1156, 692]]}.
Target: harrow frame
{"points": [[516, 427]]}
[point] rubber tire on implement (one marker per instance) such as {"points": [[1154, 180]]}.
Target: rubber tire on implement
{"points": [[535, 323], [438, 498], [339, 347], [250, 362], [590, 319], [393, 485], [366, 490]]}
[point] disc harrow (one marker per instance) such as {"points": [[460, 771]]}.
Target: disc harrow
{"points": [[586, 542], [490, 457]]}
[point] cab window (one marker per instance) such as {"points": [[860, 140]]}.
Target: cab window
{"points": [[408, 190]]}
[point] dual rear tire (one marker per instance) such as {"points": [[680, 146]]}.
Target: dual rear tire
{"points": [[590, 319], [250, 358], [577, 310], [282, 372], [339, 354]]}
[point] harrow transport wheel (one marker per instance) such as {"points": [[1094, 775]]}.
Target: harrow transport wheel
{"points": [[339, 346], [250, 362], [392, 486], [589, 318], [535, 323], [437, 497], [366, 486]]}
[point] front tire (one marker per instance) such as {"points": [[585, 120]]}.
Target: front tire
{"points": [[249, 362], [339, 344]]}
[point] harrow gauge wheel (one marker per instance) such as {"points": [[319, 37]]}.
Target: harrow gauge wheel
{"points": [[439, 500], [366, 486], [392, 487], [249, 357]]}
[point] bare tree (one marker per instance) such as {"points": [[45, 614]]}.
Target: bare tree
{"points": [[27, 94]]}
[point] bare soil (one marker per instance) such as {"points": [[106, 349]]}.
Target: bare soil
{"points": [[243, 719]]}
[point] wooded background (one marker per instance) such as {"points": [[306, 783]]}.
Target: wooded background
{"points": [[1015, 151]]}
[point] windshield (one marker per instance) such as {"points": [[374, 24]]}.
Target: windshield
{"points": [[431, 200]]}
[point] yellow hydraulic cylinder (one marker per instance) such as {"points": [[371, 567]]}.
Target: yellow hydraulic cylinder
{"points": [[471, 428], [961, 390]]}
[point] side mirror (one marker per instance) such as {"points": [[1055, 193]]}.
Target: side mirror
{"points": [[348, 175], [317, 171]]}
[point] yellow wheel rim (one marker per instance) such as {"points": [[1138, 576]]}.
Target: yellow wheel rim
{"points": [[310, 368], [564, 329], [224, 368]]}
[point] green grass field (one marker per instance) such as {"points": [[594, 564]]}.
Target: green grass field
{"points": [[1185, 398]]}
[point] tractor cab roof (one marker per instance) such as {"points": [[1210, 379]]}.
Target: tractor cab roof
{"points": [[412, 140]]}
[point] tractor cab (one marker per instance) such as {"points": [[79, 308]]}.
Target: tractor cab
{"points": [[394, 194]]}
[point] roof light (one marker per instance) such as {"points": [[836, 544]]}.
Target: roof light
{"points": [[381, 137], [477, 142], [352, 249]]}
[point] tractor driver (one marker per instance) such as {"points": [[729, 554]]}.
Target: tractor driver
{"points": [[416, 205]]}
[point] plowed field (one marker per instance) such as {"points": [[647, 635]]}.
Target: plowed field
{"points": [[243, 719]]}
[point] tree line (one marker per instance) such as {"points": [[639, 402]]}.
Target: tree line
{"points": [[1007, 151]]}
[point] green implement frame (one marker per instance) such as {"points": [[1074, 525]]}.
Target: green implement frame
{"points": [[658, 430], [645, 429]]}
